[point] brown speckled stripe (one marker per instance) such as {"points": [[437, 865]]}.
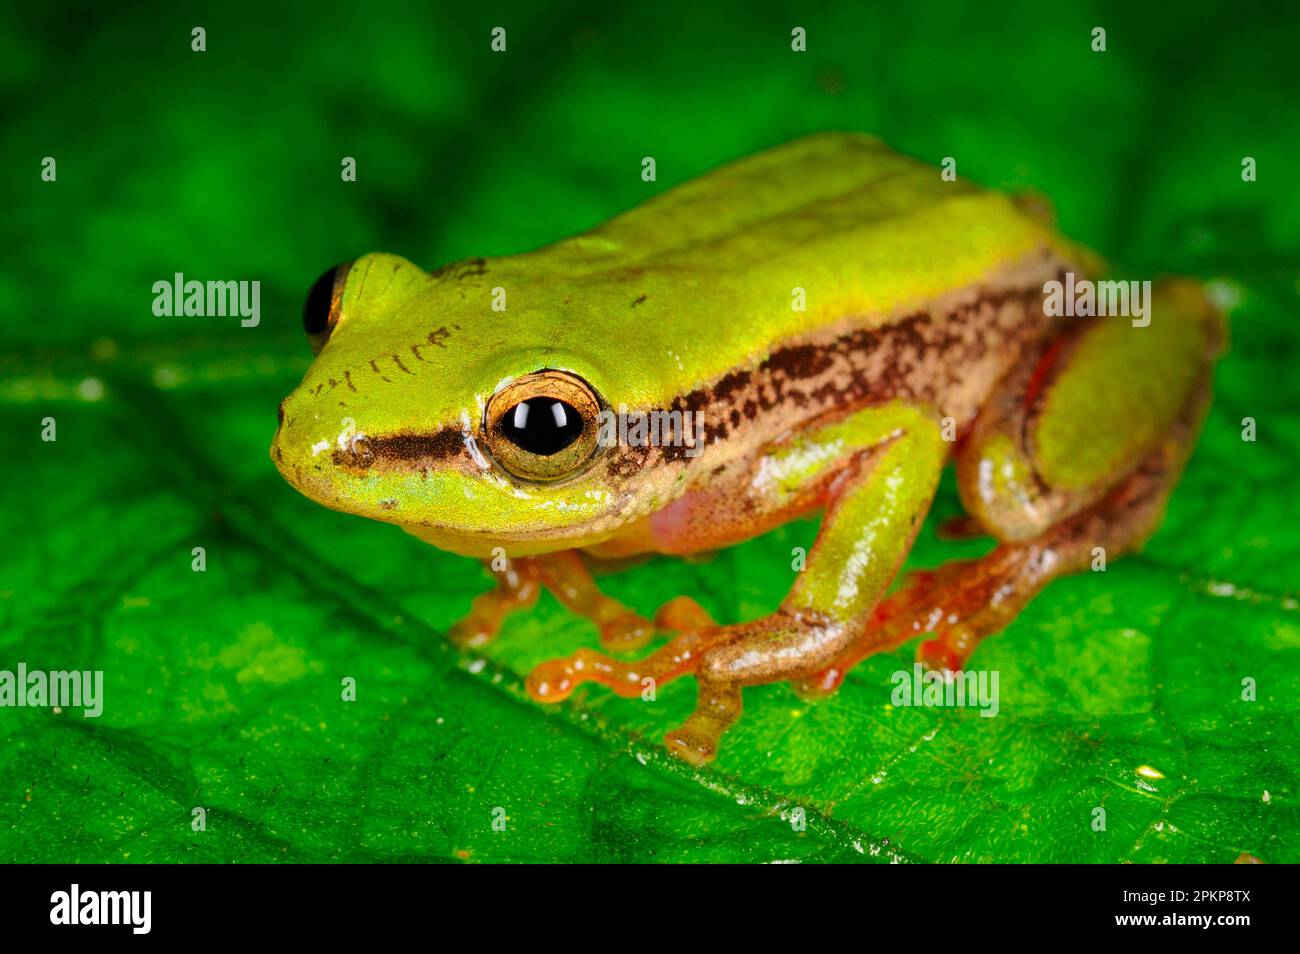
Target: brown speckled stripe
{"points": [[947, 360], [400, 449]]}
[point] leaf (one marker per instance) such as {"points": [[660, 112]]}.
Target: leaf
{"points": [[223, 688]]}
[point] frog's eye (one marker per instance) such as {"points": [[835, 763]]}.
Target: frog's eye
{"points": [[320, 312], [543, 426]]}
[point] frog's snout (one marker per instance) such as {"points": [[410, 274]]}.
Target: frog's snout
{"points": [[294, 459], [277, 445], [327, 465]]}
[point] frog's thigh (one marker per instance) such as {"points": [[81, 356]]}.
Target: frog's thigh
{"points": [[962, 602], [1063, 429], [981, 597]]}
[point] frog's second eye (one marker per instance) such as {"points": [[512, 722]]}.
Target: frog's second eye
{"points": [[320, 312], [543, 426]]}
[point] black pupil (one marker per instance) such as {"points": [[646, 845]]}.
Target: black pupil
{"points": [[541, 425], [316, 309]]}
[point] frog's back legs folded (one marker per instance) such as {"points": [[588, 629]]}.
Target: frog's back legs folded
{"points": [[962, 602], [1051, 530], [1063, 429], [989, 592]]}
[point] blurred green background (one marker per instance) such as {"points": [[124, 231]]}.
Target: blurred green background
{"points": [[223, 687]]}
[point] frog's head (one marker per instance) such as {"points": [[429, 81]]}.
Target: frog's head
{"points": [[472, 427]]}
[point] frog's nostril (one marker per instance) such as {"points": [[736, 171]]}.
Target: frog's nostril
{"points": [[279, 414]]}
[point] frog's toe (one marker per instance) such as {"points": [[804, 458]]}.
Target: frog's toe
{"points": [[820, 685], [691, 746], [682, 614], [469, 633], [487, 613], [961, 527], [891, 622], [516, 589], [716, 709], [626, 632], [948, 651], [556, 679]]}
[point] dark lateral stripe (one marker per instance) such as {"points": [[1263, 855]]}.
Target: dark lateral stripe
{"points": [[796, 374], [785, 375], [366, 452]]}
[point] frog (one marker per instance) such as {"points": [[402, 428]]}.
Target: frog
{"points": [[844, 322]]}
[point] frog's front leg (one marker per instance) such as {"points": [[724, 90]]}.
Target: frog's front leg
{"points": [[877, 470], [567, 577]]}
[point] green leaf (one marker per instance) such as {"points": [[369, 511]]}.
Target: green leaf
{"points": [[224, 688]]}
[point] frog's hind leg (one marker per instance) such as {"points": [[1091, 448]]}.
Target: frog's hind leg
{"points": [[1047, 471], [566, 575], [1063, 429], [989, 592], [962, 602]]}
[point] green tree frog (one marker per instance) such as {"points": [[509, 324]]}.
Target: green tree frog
{"points": [[841, 321]]}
